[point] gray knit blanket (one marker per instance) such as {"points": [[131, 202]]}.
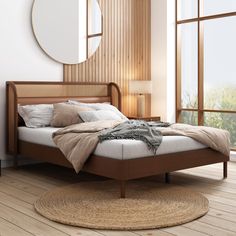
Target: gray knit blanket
{"points": [[138, 130]]}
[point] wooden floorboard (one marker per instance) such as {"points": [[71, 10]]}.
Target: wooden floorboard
{"points": [[20, 188], [9, 229]]}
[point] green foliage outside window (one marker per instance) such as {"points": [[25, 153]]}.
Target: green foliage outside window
{"points": [[217, 99]]}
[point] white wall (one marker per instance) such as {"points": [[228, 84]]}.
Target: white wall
{"points": [[163, 58], [159, 57], [20, 56]]}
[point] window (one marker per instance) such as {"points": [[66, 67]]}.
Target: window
{"points": [[206, 64]]}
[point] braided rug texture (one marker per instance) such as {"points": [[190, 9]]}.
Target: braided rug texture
{"points": [[96, 205]]}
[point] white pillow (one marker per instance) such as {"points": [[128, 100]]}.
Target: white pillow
{"points": [[91, 116], [101, 106], [36, 116]]}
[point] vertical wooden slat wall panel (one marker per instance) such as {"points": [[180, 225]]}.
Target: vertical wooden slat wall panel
{"points": [[124, 53]]}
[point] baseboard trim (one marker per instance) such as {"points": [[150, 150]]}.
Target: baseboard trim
{"points": [[10, 163]]}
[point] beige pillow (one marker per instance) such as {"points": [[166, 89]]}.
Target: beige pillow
{"points": [[67, 114]]}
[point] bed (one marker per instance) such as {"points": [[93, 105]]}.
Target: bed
{"points": [[121, 160]]}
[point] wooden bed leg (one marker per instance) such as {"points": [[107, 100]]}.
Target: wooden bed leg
{"points": [[122, 189], [167, 178], [225, 169], [0, 167]]}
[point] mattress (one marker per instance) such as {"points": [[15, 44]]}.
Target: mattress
{"points": [[122, 149]]}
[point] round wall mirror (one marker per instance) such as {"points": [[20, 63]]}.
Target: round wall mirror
{"points": [[69, 31]]}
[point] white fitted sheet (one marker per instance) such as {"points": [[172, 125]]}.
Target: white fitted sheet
{"points": [[122, 149]]}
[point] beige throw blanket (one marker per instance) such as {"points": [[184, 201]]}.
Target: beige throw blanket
{"points": [[217, 139], [78, 142]]}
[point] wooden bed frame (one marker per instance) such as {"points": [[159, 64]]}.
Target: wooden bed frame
{"points": [[122, 170]]}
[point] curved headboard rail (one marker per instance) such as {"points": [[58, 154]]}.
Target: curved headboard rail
{"points": [[28, 92]]}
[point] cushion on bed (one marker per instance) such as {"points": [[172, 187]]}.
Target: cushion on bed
{"points": [[36, 116], [91, 116], [65, 114], [100, 106]]}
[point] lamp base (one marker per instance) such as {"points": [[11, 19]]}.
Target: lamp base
{"points": [[141, 105]]}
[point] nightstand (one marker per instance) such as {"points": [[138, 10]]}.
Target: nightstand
{"points": [[146, 118]]}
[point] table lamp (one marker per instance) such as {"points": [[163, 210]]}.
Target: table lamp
{"points": [[140, 87]]}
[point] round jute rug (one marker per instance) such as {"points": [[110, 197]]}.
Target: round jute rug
{"points": [[97, 205]]}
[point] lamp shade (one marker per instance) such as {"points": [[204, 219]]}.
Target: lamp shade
{"points": [[140, 86]]}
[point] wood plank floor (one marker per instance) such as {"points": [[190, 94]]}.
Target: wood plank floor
{"points": [[20, 188]]}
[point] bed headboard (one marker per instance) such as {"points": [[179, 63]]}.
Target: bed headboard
{"points": [[26, 93]]}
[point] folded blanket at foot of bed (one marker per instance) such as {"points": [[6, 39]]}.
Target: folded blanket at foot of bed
{"points": [[77, 142]]}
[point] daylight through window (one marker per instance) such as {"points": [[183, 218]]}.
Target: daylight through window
{"points": [[206, 63]]}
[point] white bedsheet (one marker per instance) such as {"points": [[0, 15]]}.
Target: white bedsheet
{"points": [[116, 149]]}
